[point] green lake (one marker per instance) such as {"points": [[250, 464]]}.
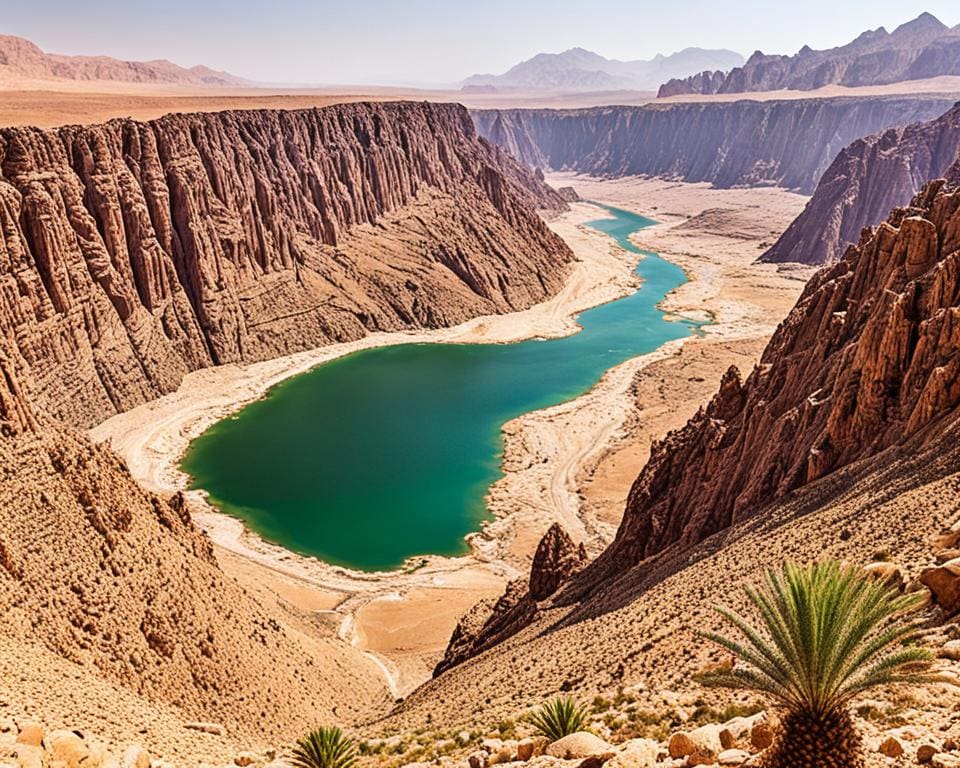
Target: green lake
{"points": [[388, 453]]}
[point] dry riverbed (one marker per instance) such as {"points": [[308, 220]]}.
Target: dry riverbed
{"points": [[573, 462]]}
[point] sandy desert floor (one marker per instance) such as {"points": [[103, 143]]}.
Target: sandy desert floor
{"points": [[573, 463], [48, 104]]}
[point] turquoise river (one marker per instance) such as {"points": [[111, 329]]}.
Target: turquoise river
{"points": [[388, 453]]}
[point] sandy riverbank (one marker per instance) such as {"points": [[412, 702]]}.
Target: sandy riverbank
{"points": [[591, 445]]}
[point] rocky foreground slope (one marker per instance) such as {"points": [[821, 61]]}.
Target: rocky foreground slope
{"points": [[737, 144], [922, 48], [864, 182], [132, 253], [841, 443]]}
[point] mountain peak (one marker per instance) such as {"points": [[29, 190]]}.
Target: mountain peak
{"points": [[925, 23]]}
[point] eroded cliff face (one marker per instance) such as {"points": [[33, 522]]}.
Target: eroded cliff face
{"points": [[132, 253], [868, 358], [728, 144], [864, 182]]}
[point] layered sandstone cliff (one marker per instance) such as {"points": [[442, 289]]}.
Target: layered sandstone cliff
{"points": [[922, 48], [864, 182], [732, 144], [132, 253]]}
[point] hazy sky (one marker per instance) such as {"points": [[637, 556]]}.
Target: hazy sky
{"points": [[351, 41]]}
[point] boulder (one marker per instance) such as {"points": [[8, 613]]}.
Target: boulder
{"points": [[680, 745], [950, 650], [944, 582], [636, 753], [478, 759], [30, 734], [28, 755], [925, 753], [886, 573], [66, 749], [136, 756], [580, 745], [531, 747], [891, 747]]}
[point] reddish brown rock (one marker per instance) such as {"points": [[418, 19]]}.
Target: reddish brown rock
{"points": [[132, 253], [867, 179], [556, 560], [869, 358], [944, 582]]}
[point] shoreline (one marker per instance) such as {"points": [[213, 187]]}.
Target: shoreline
{"points": [[547, 453]]}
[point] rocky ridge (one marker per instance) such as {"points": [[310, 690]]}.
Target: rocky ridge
{"points": [[739, 144], [867, 179], [132, 253], [21, 60], [922, 48]]}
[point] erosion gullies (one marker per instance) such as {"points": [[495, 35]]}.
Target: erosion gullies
{"points": [[132, 253], [866, 360], [739, 144], [922, 48], [864, 182]]}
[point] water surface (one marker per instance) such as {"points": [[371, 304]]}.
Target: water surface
{"points": [[387, 453]]}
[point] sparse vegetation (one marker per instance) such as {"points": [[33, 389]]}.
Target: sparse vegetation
{"points": [[559, 717], [325, 747], [828, 635]]}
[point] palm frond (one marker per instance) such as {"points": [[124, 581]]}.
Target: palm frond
{"points": [[827, 633], [325, 747]]}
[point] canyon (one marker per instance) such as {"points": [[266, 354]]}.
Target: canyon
{"points": [[867, 179], [136, 252], [783, 143], [921, 48]]}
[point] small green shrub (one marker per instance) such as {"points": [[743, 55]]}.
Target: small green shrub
{"points": [[325, 747], [559, 717]]}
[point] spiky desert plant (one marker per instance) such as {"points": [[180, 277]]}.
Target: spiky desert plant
{"points": [[324, 747], [829, 633], [559, 717]]}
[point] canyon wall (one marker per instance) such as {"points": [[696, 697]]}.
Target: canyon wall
{"points": [[864, 182], [868, 358], [132, 253], [728, 144]]}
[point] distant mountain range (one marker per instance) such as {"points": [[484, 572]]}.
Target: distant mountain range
{"points": [[582, 70], [922, 48], [22, 60]]}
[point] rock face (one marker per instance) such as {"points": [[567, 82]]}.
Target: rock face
{"points": [[868, 358], [21, 60], [864, 182], [735, 144], [919, 49], [132, 253], [557, 559]]}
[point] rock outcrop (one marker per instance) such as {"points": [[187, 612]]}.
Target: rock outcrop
{"points": [[728, 144], [864, 182], [869, 358], [556, 560], [132, 253], [922, 48]]}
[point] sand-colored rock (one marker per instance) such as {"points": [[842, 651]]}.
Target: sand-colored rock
{"points": [[944, 582], [579, 746], [869, 177]]}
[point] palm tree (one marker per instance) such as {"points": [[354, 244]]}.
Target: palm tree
{"points": [[829, 634], [559, 717], [325, 747]]}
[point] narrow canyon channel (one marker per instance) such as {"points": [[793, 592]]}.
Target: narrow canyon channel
{"points": [[386, 454]]}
